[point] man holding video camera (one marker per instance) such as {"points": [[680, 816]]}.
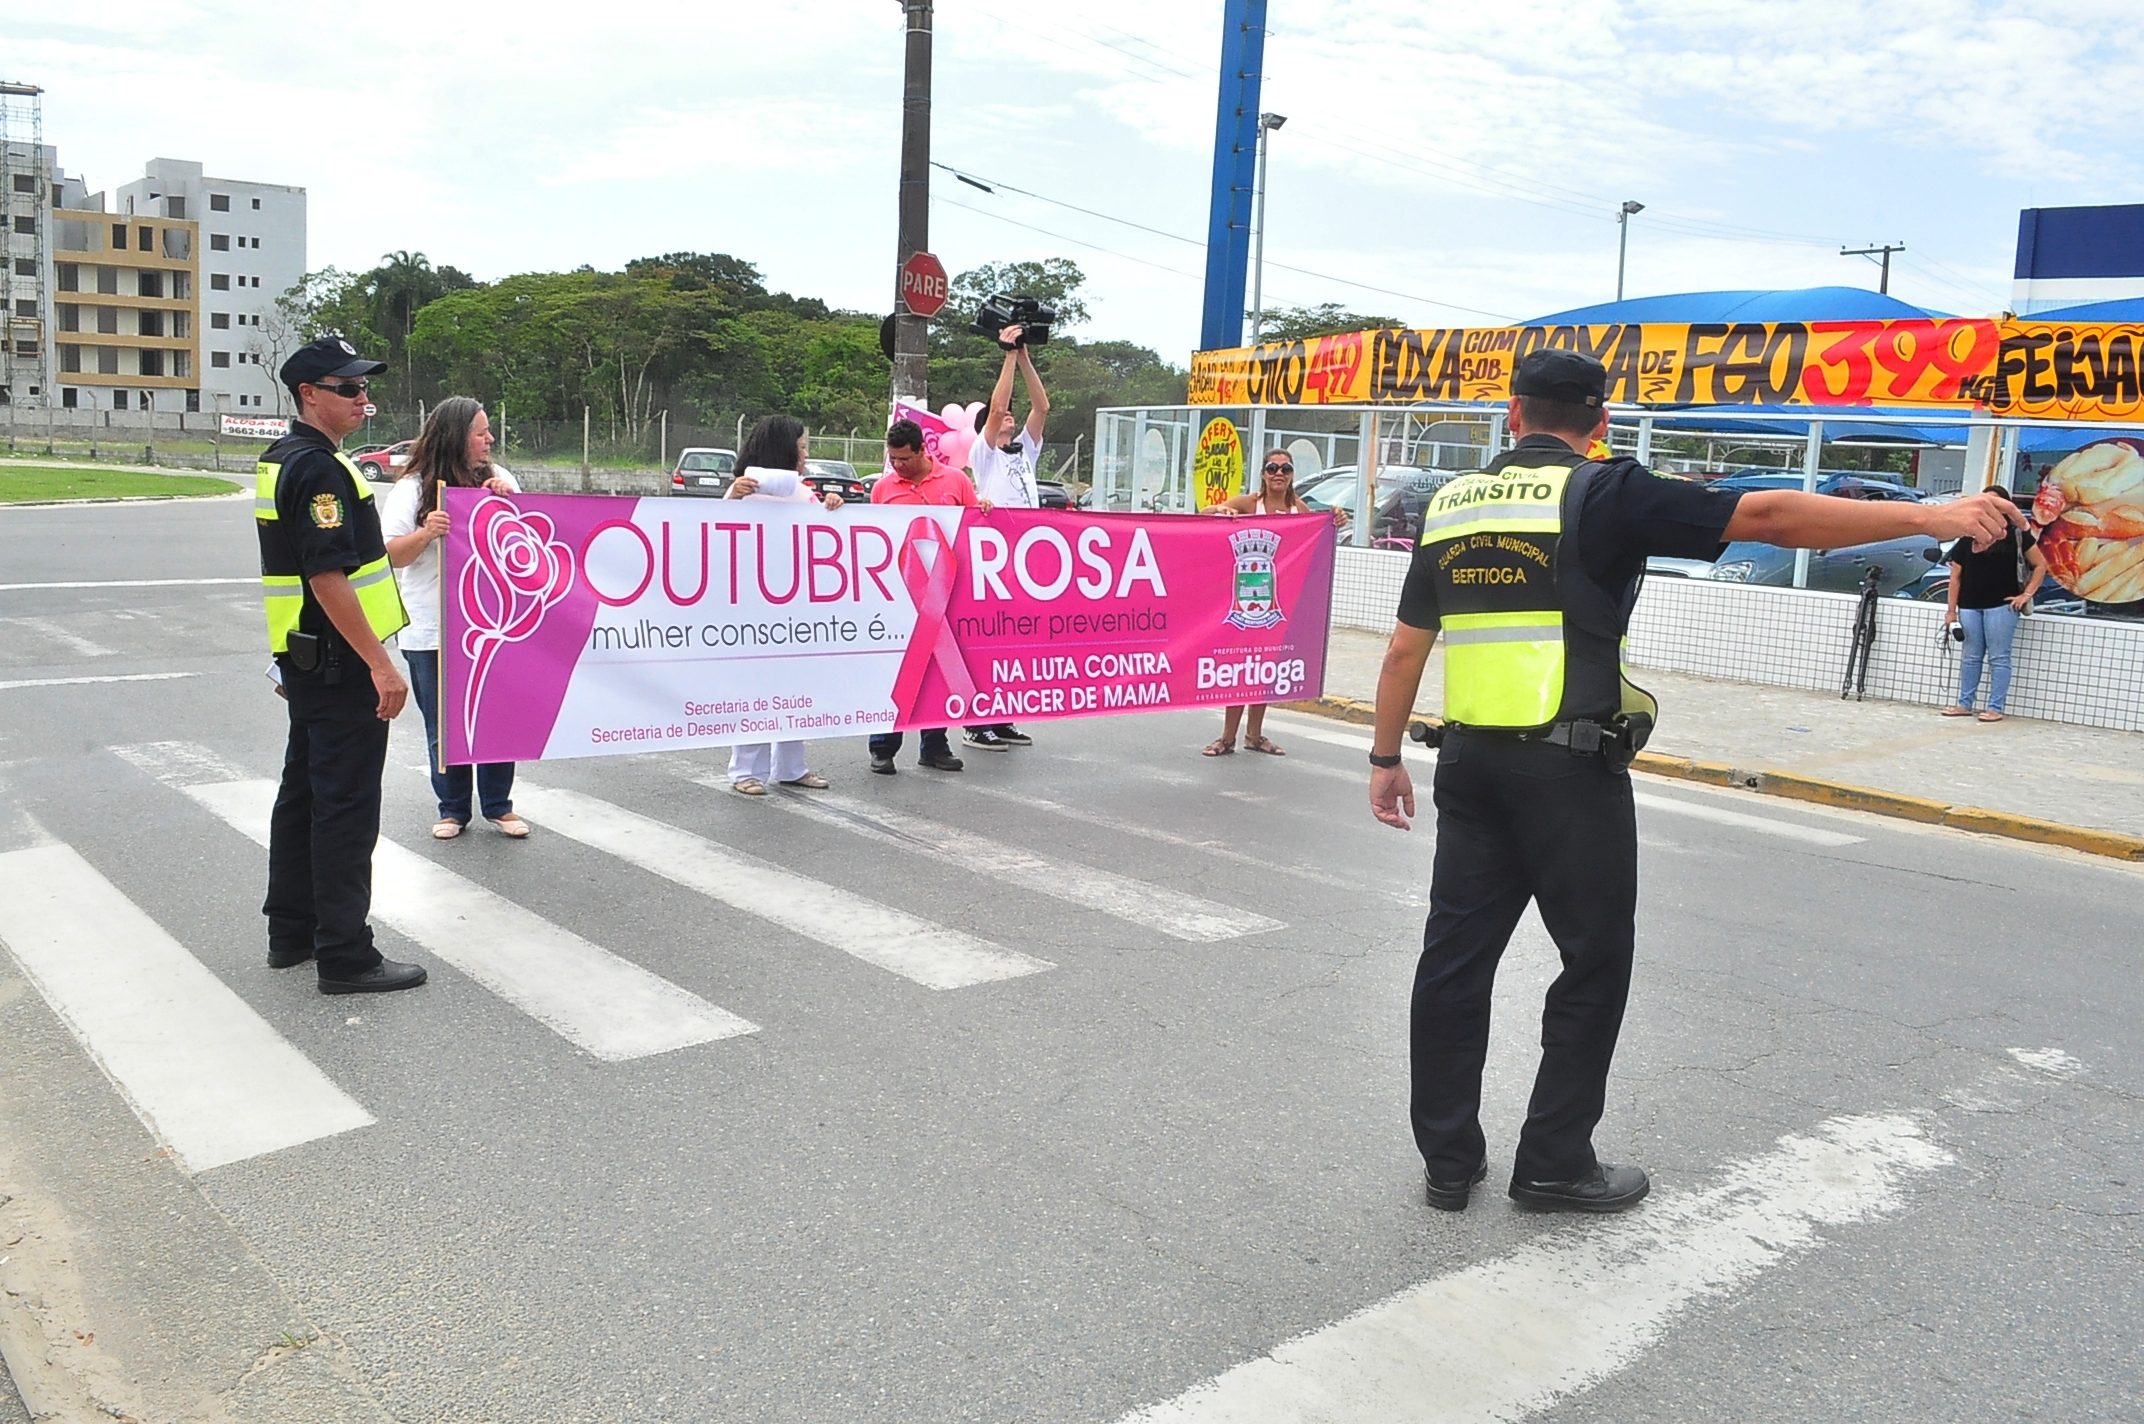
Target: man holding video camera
{"points": [[1003, 462]]}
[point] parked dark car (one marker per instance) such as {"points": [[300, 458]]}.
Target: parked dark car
{"points": [[836, 477], [1051, 494], [1402, 494], [1846, 484], [704, 470]]}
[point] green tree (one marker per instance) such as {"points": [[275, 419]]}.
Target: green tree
{"points": [[1326, 319]]}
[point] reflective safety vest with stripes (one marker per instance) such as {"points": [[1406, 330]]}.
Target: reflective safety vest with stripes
{"points": [[282, 580], [1529, 637]]}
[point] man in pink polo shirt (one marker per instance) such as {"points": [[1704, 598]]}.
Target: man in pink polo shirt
{"points": [[913, 477]]}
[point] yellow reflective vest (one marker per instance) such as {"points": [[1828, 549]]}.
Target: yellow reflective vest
{"points": [[1529, 638], [289, 601]]}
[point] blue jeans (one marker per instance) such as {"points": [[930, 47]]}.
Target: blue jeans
{"points": [[1988, 634], [494, 780]]}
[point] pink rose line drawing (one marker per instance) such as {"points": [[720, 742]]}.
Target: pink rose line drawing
{"points": [[515, 572]]}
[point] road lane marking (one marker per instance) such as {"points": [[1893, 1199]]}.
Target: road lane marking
{"points": [[1718, 815], [1172, 912], [602, 1003], [203, 1071], [73, 642], [126, 583], [916, 949], [1523, 1333], [86, 681], [1721, 816]]}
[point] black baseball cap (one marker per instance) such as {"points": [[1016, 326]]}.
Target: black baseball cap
{"points": [[330, 356], [1559, 375]]}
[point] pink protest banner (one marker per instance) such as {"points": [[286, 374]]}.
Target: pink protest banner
{"points": [[587, 626]]}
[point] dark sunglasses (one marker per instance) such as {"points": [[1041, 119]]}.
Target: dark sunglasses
{"points": [[348, 390], [1284, 469]]}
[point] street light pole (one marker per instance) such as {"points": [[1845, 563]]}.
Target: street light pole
{"points": [[1622, 239], [1266, 124]]}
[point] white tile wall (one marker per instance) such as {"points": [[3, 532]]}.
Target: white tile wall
{"points": [[2084, 670]]}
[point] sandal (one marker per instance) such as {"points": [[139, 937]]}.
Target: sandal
{"points": [[511, 826], [1219, 746], [445, 829], [749, 786], [1263, 743], [810, 781], [1955, 711], [1991, 715]]}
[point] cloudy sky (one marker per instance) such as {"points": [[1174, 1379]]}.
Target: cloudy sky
{"points": [[1443, 162]]}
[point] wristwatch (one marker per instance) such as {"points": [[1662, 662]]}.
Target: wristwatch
{"points": [[1385, 762]]}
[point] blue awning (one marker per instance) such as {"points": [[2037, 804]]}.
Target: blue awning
{"points": [[1802, 304]]}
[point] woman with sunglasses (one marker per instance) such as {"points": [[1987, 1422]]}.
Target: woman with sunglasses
{"points": [[1275, 495], [454, 448]]}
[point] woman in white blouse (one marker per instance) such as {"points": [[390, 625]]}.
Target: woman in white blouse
{"points": [[454, 448], [771, 465]]}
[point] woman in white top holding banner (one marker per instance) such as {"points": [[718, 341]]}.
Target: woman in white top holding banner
{"points": [[1275, 494], [771, 466], [454, 448]]}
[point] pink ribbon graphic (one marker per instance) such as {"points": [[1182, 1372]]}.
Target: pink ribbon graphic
{"points": [[930, 588], [515, 572]]}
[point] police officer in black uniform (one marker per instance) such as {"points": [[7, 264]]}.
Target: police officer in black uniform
{"points": [[1529, 571], [332, 603]]}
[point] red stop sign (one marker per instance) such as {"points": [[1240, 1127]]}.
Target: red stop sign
{"points": [[924, 287]]}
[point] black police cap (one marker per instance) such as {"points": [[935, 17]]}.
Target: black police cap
{"points": [[1558, 375], [325, 359]]}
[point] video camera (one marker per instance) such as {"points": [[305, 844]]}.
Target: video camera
{"points": [[1030, 315]]}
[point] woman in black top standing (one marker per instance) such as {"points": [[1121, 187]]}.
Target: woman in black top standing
{"points": [[1987, 596]]}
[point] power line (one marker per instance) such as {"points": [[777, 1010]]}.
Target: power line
{"points": [[1061, 237], [992, 183]]}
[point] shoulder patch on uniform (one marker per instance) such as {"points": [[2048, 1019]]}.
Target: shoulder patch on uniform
{"points": [[327, 511]]}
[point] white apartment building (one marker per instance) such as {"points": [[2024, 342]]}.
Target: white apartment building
{"points": [[250, 250]]}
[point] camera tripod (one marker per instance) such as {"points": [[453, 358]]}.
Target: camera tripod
{"points": [[1856, 680]]}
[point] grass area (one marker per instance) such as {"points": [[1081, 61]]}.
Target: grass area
{"points": [[22, 484]]}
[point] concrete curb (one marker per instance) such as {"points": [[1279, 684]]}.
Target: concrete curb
{"points": [[1792, 786]]}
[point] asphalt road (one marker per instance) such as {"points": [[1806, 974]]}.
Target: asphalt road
{"points": [[1150, 1135]]}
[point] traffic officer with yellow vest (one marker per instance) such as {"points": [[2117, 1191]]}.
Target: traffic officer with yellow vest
{"points": [[1529, 570], [332, 603]]}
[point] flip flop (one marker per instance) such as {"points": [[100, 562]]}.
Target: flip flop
{"points": [[1219, 746], [810, 781], [1262, 743], [511, 826], [749, 786], [1957, 711], [446, 830], [1991, 715]]}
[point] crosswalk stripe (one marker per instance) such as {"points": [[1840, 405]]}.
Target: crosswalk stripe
{"points": [[1117, 825], [203, 1071], [607, 1005], [916, 949], [1520, 1334], [1173, 913], [1674, 806]]}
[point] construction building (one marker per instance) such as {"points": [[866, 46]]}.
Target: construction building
{"points": [[164, 303]]}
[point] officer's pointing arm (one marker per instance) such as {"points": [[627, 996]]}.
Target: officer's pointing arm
{"points": [[1794, 519]]}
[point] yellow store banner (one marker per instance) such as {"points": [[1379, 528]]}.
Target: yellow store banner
{"points": [[2046, 370]]}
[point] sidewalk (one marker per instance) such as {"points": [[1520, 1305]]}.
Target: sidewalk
{"points": [[2083, 777]]}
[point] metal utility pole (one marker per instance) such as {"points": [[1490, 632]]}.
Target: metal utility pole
{"points": [[1622, 239], [911, 378], [1228, 246], [1266, 124], [1885, 249]]}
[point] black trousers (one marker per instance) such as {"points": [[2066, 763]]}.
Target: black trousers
{"points": [[885, 744], [1520, 821], [326, 820]]}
